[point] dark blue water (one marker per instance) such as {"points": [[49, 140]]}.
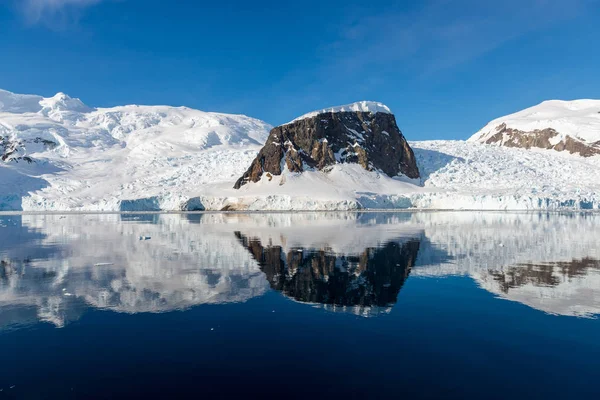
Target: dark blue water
{"points": [[435, 305]]}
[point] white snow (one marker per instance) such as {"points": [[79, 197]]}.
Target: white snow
{"points": [[468, 175], [107, 155], [362, 106], [579, 119]]}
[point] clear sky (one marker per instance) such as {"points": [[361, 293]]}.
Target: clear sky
{"points": [[444, 67]]}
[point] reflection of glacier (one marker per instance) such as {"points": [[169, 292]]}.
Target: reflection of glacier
{"points": [[546, 261], [565, 288], [365, 283], [55, 267], [99, 260]]}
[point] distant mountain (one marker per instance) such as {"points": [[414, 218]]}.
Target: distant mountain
{"points": [[363, 133], [571, 126]]}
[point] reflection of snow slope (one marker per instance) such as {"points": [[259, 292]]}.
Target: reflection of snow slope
{"points": [[535, 250], [557, 292], [102, 261], [340, 233], [484, 240]]}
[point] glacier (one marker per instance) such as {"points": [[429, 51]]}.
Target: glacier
{"points": [[59, 154]]}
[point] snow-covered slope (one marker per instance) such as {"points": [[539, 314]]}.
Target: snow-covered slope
{"points": [[470, 175], [572, 126], [360, 106], [70, 156]]}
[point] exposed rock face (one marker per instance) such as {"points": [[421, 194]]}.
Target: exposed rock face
{"points": [[16, 150], [371, 139], [371, 278], [541, 138]]}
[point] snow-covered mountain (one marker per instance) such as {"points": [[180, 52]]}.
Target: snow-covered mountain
{"points": [[572, 126], [59, 154]]}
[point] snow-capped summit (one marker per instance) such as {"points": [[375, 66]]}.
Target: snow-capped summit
{"points": [[572, 126], [63, 102], [359, 106]]}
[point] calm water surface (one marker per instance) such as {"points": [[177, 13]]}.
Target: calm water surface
{"points": [[340, 305]]}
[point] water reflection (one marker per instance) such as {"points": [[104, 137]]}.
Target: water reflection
{"points": [[53, 268], [564, 288], [62, 265], [365, 283]]}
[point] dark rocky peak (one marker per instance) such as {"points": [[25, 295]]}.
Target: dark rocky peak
{"points": [[363, 133]]}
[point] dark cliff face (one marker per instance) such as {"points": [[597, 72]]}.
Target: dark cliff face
{"points": [[372, 278], [372, 140], [541, 138]]}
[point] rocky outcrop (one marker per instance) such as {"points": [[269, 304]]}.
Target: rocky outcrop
{"points": [[371, 278], [319, 140], [16, 150], [541, 138]]}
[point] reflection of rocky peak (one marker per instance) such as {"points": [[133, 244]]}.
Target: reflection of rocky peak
{"points": [[543, 274], [364, 134], [371, 278], [563, 288]]}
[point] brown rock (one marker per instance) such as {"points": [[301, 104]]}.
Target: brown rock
{"points": [[540, 138]]}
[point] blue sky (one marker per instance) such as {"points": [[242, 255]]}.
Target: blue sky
{"points": [[445, 67]]}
